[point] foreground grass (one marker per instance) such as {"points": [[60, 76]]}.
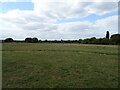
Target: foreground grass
{"points": [[36, 65]]}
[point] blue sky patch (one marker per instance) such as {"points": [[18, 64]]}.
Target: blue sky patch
{"points": [[7, 6], [90, 18]]}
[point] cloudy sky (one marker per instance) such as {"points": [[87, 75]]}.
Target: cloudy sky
{"points": [[57, 19]]}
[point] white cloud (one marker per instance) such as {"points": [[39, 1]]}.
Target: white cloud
{"points": [[66, 9], [39, 22], [88, 29]]}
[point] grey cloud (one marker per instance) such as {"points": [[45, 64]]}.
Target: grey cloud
{"points": [[105, 6]]}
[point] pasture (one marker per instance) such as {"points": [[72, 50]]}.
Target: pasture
{"points": [[59, 65]]}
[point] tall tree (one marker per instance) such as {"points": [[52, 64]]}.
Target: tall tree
{"points": [[107, 35]]}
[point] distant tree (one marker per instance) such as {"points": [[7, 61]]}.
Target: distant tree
{"points": [[86, 41], [46, 40], [75, 41], [107, 34], [115, 38], [55, 41], [92, 40], [9, 40], [34, 40], [39, 40], [80, 40], [28, 40], [106, 41], [68, 41], [96, 41], [100, 40], [62, 41]]}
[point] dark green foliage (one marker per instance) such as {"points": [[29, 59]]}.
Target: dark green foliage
{"points": [[115, 38], [46, 41], [100, 40], [80, 40], [93, 40], [9, 40], [85, 41], [106, 41], [107, 35], [28, 40], [31, 40], [34, 40], [62, 41]]}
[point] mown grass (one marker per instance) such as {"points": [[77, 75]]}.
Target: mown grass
{"points": [[44, 65]]}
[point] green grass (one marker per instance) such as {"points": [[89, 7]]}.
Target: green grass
{"points": [[42, 65]]}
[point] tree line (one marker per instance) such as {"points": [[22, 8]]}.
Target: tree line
{"points": [[114, 39]]}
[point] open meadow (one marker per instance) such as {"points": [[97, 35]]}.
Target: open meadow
{"points": [[59, 65]]}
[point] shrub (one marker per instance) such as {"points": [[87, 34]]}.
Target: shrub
{"points": [[9, 40]]}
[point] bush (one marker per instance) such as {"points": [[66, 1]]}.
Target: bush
{"points": [[34, 40], [31, 40], [105, 41], [115, 39], [28, 40], [9, 40]]}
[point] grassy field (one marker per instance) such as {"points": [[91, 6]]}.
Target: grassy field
{"points": [[42, 65]]}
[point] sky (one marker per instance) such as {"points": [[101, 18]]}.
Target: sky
{"points": [[57, 19]]}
